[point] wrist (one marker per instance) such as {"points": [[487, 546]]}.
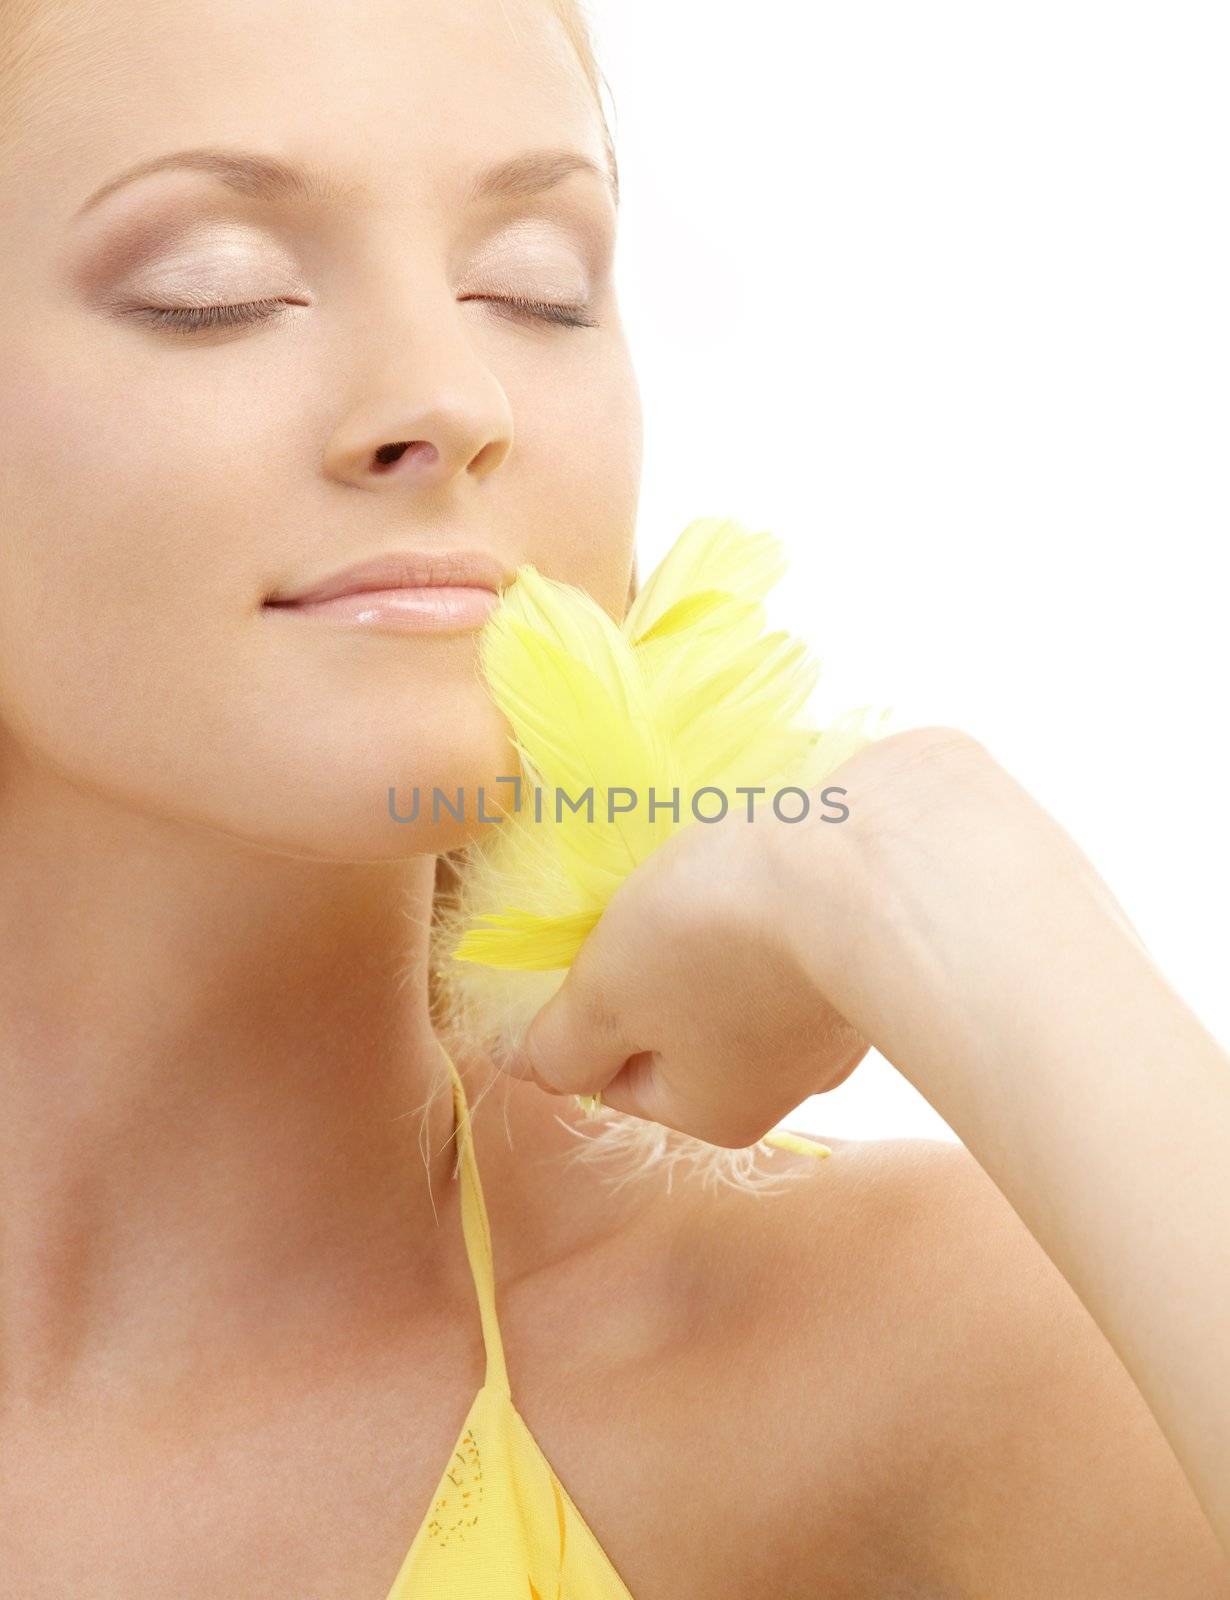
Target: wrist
{"points": [[959, 941]]}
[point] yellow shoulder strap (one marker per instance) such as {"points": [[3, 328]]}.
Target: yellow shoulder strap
{"points": [[477, 1232]]}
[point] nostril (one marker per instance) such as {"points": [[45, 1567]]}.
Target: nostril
{"points": [[388, 454]]}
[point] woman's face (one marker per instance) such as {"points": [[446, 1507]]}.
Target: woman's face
{"points": [[160, 484]]}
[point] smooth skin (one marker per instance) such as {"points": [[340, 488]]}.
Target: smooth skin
{"points": [[237, 1330], [946, 919]]}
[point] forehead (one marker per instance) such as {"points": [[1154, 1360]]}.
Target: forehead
{"points": [[419, 93]]}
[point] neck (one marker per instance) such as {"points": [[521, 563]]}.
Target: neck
{"points": [[224, 1117]]}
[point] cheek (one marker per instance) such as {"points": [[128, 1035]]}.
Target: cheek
{"points": [[121, 570], [132, 486], [584, 438], [125, 476]]}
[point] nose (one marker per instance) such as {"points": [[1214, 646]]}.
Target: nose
{"points": [[427, 411], [415, 458], [423, 454], [444, 447]]}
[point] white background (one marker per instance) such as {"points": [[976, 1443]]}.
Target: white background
{"points": [[939, 294]]}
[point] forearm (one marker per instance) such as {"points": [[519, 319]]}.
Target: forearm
{"points": [[1098, 1104], [1108, 1130]]}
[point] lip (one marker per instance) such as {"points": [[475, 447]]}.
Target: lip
{"points": [[432, 608], [405, 570]]}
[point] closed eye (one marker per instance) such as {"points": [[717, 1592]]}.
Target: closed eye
{"points": [[545, 310], [192, 319]]}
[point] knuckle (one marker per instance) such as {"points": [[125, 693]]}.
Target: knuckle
{"points": [[932, 742], [907, 771], [599, 1015]]}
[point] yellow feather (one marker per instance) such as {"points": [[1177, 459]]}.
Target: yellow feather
{"points": [[537, 943], [570, 684], [710, 553], [688, 691]]}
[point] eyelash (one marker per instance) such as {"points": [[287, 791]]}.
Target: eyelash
{"points": [[192, 319]]}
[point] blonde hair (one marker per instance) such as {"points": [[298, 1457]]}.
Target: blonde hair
{"points": [[575, 20]]}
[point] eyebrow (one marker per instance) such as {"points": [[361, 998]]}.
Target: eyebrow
{"points": [[267, 177]]}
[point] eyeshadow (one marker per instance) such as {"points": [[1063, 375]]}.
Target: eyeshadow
{"points": [[150, 230]]}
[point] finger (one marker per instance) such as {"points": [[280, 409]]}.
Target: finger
{"points": [[636, 1089], [844, 1065], [576, 1043]]}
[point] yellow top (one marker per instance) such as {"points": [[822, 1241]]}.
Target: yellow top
{"points": [[501, 1525]]}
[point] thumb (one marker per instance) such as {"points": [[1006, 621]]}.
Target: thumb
{"points": [[574, 1044]]}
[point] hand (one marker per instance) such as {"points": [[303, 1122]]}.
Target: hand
{"points": [[687, 1003], [747, 965]]}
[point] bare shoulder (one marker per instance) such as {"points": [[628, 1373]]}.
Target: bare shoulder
{"points": [[923, 1329]]}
